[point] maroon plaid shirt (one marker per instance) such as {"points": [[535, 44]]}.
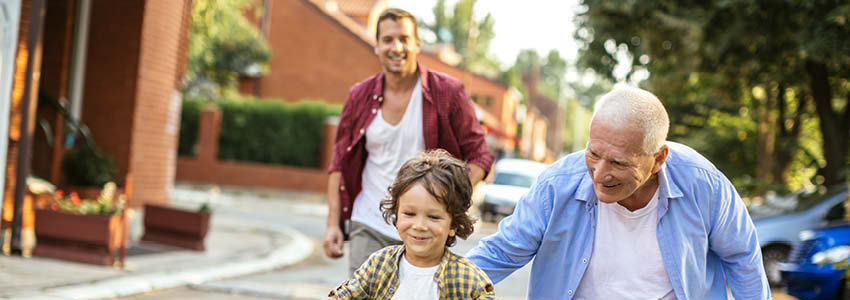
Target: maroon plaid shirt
{"points": [[449, 123]]}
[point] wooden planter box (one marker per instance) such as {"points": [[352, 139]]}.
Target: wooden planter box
{"points": [[176, 227], [90, 239]]}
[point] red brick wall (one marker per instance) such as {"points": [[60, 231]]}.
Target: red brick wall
{"points": [[157, 112], [112, 65], [135, 56], [313, 56]]}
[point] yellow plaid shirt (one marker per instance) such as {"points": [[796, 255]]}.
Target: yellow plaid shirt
{"points": [[377, 278]]}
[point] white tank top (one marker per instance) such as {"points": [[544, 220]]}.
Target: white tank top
{"points": [[389, 146]]}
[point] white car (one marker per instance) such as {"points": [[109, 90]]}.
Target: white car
{"points": [[512, 178]]}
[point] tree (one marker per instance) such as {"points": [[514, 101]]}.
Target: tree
{"points": [[549, 71], [222, 44], [772, 64], [470, 37]]}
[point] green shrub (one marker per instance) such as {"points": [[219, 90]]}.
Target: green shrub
{"points": [[272, 131], [189, 118], [88, 166]]}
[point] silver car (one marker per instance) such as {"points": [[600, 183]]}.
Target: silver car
{"points": [[780, 228], [512, 178]]}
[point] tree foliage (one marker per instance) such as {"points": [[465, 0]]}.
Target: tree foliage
{"points": [[470, 37], [741, 79], [222, 44], [550, 71]]}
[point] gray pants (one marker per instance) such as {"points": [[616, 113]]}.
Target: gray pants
{"points": [[364, 242]]}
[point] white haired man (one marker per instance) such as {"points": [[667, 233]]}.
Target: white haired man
{"points": [[630, 217]]}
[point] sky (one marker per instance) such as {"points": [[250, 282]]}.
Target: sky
{"points": [[539, 24]]}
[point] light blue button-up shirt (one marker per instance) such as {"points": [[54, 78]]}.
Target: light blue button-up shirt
{"points": [[704, 232]]}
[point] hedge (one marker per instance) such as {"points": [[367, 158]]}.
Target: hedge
{"points": [[189, 118], [267, 131]]}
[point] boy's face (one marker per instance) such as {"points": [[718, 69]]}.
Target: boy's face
{"points": [[424, 225]]}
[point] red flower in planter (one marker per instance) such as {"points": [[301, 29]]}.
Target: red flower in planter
{"points": [[106, 204], [75, 198]]}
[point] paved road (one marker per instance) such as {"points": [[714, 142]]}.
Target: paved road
{"points": [[314, 277]]}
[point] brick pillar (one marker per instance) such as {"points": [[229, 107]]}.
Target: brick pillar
{"points": [[208, 129]]}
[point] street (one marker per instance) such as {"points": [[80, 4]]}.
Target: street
{"points": [[314, 277], [317, 275]]}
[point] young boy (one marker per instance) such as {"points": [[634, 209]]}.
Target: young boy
{"points": [[428, 203]]}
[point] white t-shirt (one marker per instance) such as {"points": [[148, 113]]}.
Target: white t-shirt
{"points": [[626, 261], [416, 283], [389, 146]]}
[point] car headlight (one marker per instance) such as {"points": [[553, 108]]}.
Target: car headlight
{"points": [[806, 235], [831, 255]]}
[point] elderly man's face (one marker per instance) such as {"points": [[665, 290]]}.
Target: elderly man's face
{"points": [[616, 163]]}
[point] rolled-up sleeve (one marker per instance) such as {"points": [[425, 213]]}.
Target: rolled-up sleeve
{"points": [[733, 238], [468, 131], [343, 132]]}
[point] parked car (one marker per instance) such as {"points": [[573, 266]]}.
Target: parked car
{"points": [[512, 178], [779, 231], [811, 271]]}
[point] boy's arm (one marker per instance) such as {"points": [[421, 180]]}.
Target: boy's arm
{"points": [[357, 287]]}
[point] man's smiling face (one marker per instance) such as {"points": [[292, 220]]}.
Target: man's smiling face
{"points": [[616, 163], [397, 46]]}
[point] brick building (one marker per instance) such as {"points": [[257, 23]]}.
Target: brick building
{"points": [[114, 65]]}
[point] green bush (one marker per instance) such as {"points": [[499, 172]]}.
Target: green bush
{"points": [[273, 132], [189, 118], [88, 166]]}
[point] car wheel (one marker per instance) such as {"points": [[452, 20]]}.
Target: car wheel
{"points": [[772, 256]]}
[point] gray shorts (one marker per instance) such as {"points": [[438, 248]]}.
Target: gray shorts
{"points": [[365, 241]]}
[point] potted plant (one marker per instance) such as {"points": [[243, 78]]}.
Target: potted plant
{"points": [[86, 169], [177, 227], [79, 229]]}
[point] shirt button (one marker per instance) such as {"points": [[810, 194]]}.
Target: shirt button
{"points": [[345, 209], [381, 99], [362, 130], [584, 260], [374, 97], [570, 292], [390, 290], [348, 149], [374, 111], [341, 187]]}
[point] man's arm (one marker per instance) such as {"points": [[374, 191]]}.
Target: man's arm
{"points": [[733, 239], [470, 136], [333, 234], [519, 235], [476, 173]]}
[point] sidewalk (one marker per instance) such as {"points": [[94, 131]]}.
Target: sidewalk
{"points": [[237, 244]]}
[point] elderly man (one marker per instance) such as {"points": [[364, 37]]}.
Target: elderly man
{"points": [[630, 217]]}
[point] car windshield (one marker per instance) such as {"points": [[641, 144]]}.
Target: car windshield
{"points": [[801, 203], [513, 179], [808, 200]]}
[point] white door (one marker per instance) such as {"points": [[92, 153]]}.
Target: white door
{"points": [[10, 11]]}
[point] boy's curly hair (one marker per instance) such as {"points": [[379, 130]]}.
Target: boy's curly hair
{"points": [[445, 178]]}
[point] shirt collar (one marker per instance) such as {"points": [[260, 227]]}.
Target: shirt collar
{"points": [[378, 90], [667, 190]]}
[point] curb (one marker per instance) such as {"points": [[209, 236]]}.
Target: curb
{"points": [[299, 249]]}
